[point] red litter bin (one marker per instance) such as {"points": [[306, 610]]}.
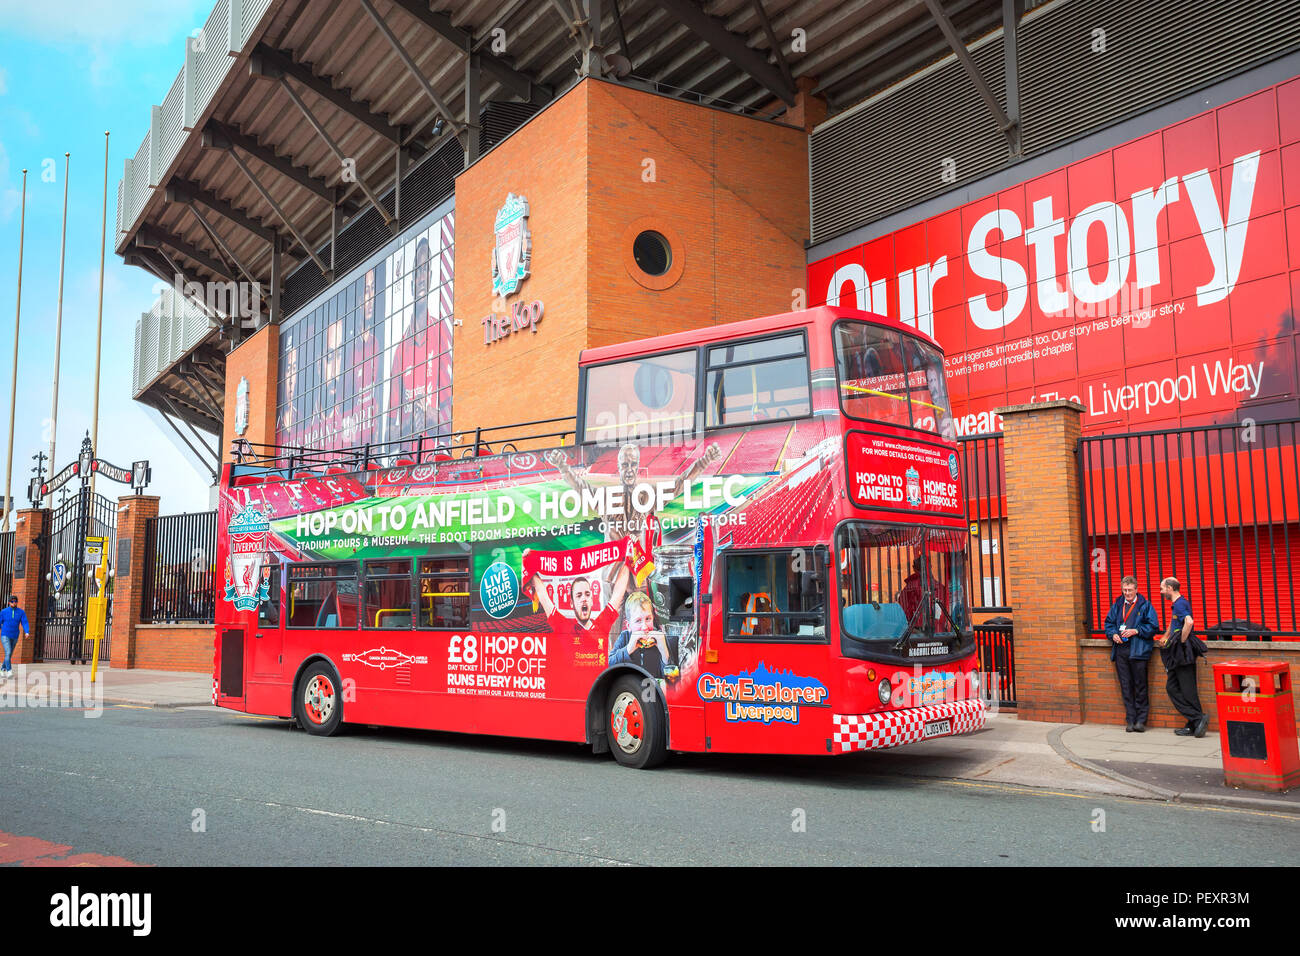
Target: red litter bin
{"points": [[1257, 725]]}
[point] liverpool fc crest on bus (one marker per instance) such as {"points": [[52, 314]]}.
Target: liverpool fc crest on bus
{"points": [[248, 583], [913, 487], [512, 253]]}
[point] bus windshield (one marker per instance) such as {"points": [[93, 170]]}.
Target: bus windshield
{"points": [[886, 376], [898, 583]]}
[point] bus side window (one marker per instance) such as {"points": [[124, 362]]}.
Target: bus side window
{"points": [[776, 595], [321, 595], [268, 612], [444, 593], [387, 594], [757, 380]]}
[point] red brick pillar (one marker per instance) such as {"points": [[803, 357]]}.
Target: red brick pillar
{"points": [[29, 525], [1044, 554], [133, 511]]}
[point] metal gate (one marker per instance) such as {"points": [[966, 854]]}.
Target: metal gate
{"points": [[61, 617]]}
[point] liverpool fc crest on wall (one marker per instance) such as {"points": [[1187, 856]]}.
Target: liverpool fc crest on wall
{"points": [[512, 253]]}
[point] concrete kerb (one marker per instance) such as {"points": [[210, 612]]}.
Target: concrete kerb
{"points": [[169, 704], [1160, 793]]}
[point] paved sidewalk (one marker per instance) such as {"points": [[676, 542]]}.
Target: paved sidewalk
{"points": [[1084, 758], [1170, 767], [143, 688]]}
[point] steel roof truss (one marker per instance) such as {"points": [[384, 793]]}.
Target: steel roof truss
{"points": [[713, 32], [341, 156]]}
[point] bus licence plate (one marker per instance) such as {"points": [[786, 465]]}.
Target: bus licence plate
{"points": [[937, 728]]}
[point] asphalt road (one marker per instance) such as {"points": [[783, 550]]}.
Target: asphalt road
{"points": [[135, 784]]}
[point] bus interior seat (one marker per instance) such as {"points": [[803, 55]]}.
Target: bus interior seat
{"points": [[872, 621]]}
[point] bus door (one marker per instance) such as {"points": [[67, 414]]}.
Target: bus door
{"points": [[765, 683], [263, 636]]}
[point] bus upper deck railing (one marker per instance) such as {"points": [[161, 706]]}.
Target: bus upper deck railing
{"points": [[422, 449]]}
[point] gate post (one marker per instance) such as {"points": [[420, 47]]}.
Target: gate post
{"points": [[30, 526], [1044, 554], [133, 515]]}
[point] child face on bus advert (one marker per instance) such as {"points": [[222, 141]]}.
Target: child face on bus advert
{"points": [[641, 620]]}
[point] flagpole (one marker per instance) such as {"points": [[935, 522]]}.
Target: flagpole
{"points": [[58, 324], [13, 391], [99, 322]]}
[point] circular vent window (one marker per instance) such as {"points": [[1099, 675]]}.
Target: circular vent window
{"points": [[652, 253]]}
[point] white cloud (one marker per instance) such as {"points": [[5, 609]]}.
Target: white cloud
{"points": [[4, 81], [10, 195], [141, 22]]}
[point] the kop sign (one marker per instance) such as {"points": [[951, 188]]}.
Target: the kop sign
{"points": [[512, 255]]}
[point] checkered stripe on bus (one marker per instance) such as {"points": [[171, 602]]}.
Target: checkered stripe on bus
{"points": [[214, 691], [894, 728]]}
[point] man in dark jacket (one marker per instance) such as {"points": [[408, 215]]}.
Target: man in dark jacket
{"points": [[1179, 655], [1131, 627]]}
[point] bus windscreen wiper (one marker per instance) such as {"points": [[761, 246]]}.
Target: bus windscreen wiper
{"points": [[910, 629]]}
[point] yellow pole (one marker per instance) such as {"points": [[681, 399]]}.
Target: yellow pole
{"points": [[96, 612]]}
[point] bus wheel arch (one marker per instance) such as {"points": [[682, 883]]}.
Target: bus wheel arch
{"points": [[637, 683], [318, 696]]}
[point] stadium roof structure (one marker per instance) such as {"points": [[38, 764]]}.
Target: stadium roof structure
{"points": [[291, 120]]}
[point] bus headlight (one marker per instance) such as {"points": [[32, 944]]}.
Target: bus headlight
{"points": [[884, 690]]}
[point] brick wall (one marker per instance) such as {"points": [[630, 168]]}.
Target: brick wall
{"points": [[133, 513], [733, 189], [729, 192], [1101, 699], [525, 376], [174, 647], [1044, 557], [29, 525], [257, 359]]}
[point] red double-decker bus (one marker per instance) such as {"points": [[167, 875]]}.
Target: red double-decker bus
{"points": [[751, 539]]}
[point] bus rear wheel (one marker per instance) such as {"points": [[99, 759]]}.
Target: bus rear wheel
{"points": [[318, 701], [637, 728]]}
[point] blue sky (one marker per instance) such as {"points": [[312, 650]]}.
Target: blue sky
{"points": [[69, 70]]}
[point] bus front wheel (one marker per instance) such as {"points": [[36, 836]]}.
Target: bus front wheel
{"points": [[637, 732], [318, 703]]}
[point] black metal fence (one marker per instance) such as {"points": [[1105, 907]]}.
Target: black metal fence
{"points": [[1215, 507], [61, 612], [180, 552], [995, 648], [986, 500]]}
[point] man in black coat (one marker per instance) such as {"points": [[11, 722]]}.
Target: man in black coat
{"points": [[1131, 627]]}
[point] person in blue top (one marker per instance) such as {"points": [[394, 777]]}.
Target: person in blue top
{"points": [[12, 621], [1178, 653], [1131, 627]]}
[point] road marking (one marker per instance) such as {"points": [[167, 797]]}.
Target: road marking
{"points": [[441, 831], [135, 706]]}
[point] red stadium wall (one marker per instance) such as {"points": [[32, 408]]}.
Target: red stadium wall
{"points": [[1155, 282]]}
